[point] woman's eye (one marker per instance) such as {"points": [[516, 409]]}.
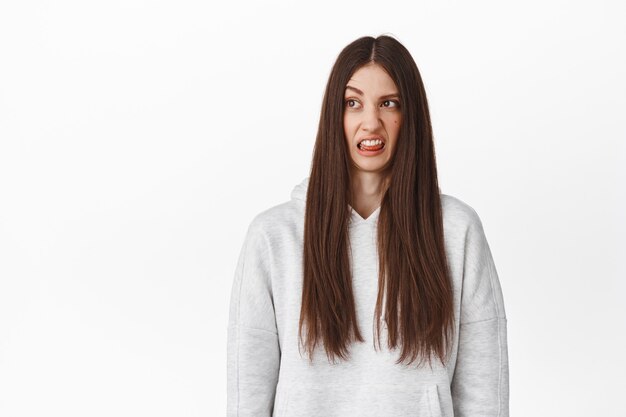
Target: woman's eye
{"points": [[352, 103], [396, 104]]}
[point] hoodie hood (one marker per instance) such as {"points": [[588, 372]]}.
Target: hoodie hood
{"points": [[299, 191]]}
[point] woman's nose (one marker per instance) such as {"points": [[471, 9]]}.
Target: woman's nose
{"points": [[371, 119]]}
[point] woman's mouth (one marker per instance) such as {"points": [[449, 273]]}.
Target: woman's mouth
{"points": [[370, 147]]}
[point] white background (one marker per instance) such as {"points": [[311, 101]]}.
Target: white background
{"points": [[139, 138]]}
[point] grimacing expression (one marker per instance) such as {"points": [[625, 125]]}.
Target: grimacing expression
{"points": [[371, 110]]}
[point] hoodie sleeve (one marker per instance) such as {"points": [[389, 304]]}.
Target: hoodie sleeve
{"points": [[253, 352], [480, 385]]}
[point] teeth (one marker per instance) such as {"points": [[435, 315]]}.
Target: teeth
{"points": [[371, 142]]}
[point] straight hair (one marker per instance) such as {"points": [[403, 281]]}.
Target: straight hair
{"points": [[413, 276]]}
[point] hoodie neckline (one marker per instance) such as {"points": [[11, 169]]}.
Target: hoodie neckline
{"points": [[357, 219], [299, 193]]}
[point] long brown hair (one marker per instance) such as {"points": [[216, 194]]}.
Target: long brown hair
{"points": [[413, 270]]}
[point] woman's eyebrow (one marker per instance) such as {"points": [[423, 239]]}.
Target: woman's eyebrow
{"points": [[361, 92]]}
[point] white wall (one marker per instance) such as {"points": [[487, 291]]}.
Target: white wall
{"points": [[139, 138]]}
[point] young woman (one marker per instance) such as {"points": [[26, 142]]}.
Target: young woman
{"points": [[368, 249]]}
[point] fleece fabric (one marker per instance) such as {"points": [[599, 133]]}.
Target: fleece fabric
{"points": [[268, 377]]}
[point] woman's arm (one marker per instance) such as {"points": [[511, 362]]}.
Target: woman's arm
{"points": [[480, 385], [253, 348]]}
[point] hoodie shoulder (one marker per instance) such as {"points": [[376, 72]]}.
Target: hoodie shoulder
{"points": [[457, 214]]}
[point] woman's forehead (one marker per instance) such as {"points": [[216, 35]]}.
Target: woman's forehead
{"points": [[371, 79]]}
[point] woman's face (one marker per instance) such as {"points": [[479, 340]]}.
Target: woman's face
{"points": [[371, 110]]}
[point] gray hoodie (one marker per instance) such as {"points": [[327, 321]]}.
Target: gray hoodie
{"points": [[268, 377]]}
